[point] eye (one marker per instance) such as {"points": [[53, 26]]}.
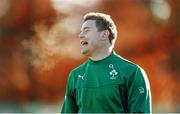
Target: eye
{"points": [[86, 30]]}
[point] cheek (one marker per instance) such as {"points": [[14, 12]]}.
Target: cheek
{"points": [[94, 39], [95, 43]]}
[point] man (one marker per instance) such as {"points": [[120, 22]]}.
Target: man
{"points": [[106, 82]]}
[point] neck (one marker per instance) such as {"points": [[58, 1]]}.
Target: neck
{"points": [[101, 54]]}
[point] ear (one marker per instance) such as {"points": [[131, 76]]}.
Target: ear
{"points": [[104, 34]]}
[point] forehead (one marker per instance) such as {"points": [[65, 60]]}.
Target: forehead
{"points": [[89, 24]]}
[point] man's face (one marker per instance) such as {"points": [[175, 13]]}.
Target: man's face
{"points": [[89, 37]]}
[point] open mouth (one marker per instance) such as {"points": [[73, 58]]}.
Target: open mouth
{"points": [[83, 43]]}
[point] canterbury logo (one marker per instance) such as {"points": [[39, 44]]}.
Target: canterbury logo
{"points": [[141, 90]]}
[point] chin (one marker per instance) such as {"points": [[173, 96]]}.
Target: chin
{"points": [[84, 52]]}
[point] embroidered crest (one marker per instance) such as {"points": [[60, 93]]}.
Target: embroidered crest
{"points": [[113, 72]]}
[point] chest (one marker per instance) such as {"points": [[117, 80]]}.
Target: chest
{"points": [[98, 76]]}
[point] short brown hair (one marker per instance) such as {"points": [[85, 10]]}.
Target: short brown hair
{"points": [[103, 22]]}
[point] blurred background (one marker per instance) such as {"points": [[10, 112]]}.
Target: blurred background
{"points": [[39, 46]]}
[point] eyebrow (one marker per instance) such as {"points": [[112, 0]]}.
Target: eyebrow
{"points": [[85, 28]]}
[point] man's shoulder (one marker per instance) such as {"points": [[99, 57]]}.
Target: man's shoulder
{"points": [[80, 67], [125, 64], [125, 61], [128, 68]]}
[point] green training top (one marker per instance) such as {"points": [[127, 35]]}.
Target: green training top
{"points": [[93, 87]]}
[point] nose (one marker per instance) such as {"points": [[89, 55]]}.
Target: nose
{"points": [[81, 35]]}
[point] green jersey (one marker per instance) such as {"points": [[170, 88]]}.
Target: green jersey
{"points": [[94, 87]]}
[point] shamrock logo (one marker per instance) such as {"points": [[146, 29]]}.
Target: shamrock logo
{"points": [[113, 72]]}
